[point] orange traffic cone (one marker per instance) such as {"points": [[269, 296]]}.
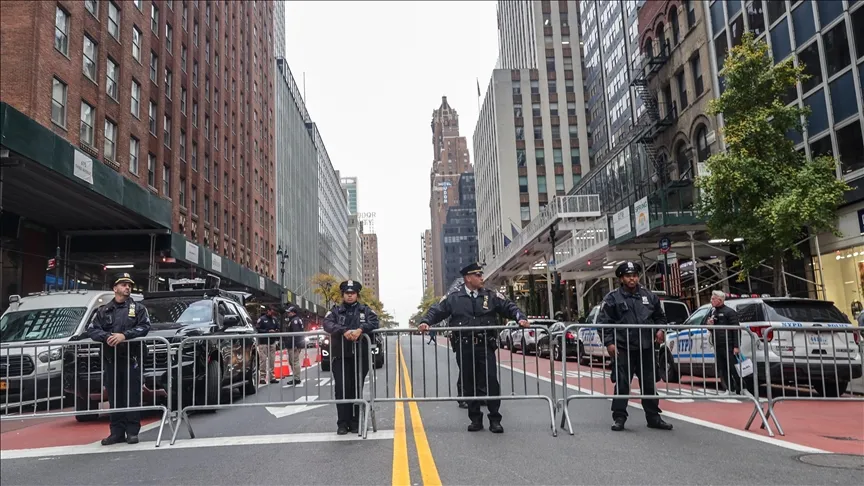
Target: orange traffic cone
{"points": [[306, 362], [280, 367], [317, 353]]}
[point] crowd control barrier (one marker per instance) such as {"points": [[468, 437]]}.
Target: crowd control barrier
{"points": [[683, 350], [224, 371], [42, 380], [430, 381], [809, 364]]}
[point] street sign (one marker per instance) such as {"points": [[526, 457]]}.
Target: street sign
{"points": [[665, 244], [51, 264]]}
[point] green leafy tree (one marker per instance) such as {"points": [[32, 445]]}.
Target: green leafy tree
{"points": [[428, 301], [326, 286], [762, 189]]}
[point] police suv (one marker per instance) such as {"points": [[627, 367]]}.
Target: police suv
{"points": [[801, 356]]}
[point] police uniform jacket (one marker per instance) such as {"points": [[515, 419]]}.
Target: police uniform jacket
{"points": [[465, 311], [623, 307], [724, 316], [294, 324], [129, 318], [347, 317]]}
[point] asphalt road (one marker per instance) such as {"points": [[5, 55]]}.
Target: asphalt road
{"points": [[423, 443]]}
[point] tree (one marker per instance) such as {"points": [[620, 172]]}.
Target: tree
{"points": [[326, 286], [368, 298], [428, 301], [761, 189]]}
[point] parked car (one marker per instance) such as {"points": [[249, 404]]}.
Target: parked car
{"points": [[552, 343], [208, 370], [525, 340], [377, 352], [801, 356]]}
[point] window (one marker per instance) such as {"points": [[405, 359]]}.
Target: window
{"points": [[195, 73], [808, 58], [151, 170], [152, 115], [136, 44], [559, 182], [215, 176], [696, 71], [112, 74], [206, 127], [557, 156], [136, 98], [166, 181], [206, 167], [113, 20], [207, 50], [691, 13], [154, 19], [58, 102], [525, 213], [851, 147], [523, 184], [702, 149], [182, 192], [90, 58], [553, 109], [535, 109], [182, 100], [571, 109], [539, 156], [169, 37], [194, 156], [836, 49], [193, 200], [206, 208], [166, 130], [517, 110], [137, 4], [673, 22], [182, 144], [194, 113], [550, 63], [183, 53], [682, 90], [215, 215], [520, 157], [776, 8], [185, 16], [195, 33], [538, 133], [133, 155], [92, 6], [154, 67], [568, 86], [535, 87], [168, 79], [61, 31], [110, 148]]}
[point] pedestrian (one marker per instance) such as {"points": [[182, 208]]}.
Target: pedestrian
{"points": [[432, 338], [117, 321], [294, 345], [267, 323], [475, 306], [726, 342], [633, 349], [349, 351]]}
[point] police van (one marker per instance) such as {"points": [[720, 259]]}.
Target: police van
{"points": [[802, 356], [33, 331], [591, 345]]}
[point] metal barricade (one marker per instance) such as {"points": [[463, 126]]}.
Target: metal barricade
{"points": [[809, 363], [83, 374], [214, 368], [684, 349], [464, 358]]}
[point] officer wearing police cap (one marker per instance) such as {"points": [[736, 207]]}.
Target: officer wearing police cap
{"points": [[349, 351], [633, 349], [474, 306], [115, 322]]}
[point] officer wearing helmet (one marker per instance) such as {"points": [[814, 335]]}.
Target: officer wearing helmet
{"points": [[120, 320], [349, 352], [633, 349]]}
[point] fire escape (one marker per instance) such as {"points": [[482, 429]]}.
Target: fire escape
{"points": [[652, 123]]}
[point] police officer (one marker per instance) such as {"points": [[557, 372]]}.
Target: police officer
{"points": [[115, 322], [267, 323], [725, 342], [632, 349], [349, 352], [294, 345], [474, 306]]}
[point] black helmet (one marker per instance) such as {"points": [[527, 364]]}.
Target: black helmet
{"points": [[627, 268]]}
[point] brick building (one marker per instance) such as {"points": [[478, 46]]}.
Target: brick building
{"points": [[173, 96]]}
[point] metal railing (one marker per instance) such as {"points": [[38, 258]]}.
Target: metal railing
{"points": [[471, 352], [812, 363], [656, 362], [225, 371], [76, 374], [582, 242]]}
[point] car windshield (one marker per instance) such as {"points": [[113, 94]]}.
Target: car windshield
{"points": [[179, 310], [805, 311], [40, 324], [676, 313]]}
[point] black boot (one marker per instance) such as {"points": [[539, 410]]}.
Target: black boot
{"points": [[342, 430], [131, 439], [475, 426], [618, 426], [495, 427], [659, 424], [112, 439], [463, 404]]}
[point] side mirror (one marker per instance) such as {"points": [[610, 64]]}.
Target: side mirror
{"points": [[231, 320]]}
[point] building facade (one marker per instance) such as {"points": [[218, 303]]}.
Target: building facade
{"points": [[349, 184], [450, 161], [370, 263], [296, 186], [531, 137], [460, 231], [173, 98], [355, 247], [825, 37], [332, 215], [426, 254], [279, 29]]}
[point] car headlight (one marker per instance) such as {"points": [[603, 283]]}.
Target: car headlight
{"points": [[326, 341], [50, 355]]}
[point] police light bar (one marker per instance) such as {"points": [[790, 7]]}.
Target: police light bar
{"points": [[746, 296], [538, 317]]}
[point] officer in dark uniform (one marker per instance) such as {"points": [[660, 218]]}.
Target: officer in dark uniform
{"points": [[349, 352], [474, 306], [294, 345], [115, 322], [632, 349]]}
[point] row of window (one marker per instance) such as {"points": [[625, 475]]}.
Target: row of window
{"points": [[540, 156]]}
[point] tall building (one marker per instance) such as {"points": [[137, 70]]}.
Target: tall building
{"points": [[450, 160], [824, 36], [370, 263], [547, 156], [279, 29], [426, 256], [332, 215], [349, 184], [355, 247], [296, 186], [460, 231], [161, 111]]}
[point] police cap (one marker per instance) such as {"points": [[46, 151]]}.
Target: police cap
{"points": [[627, 268], [350, 286], [472, 268], [291, 309], [123, 277]]}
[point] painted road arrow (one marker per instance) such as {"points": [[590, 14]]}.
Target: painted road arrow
{"points": [[281, 412]]}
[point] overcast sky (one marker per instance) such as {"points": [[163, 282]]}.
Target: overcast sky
{"points": [[374, 72]]}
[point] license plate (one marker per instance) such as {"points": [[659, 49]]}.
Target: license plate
{"points": [[2, 385], [816, 339]]}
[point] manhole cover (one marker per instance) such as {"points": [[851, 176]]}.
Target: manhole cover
{"points": [[839, 461]]}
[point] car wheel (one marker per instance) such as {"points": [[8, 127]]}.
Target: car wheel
{"points": [[831, 389], [556, 352], [83, 404], [580, 354], [210, 391], [379, 361], [668, 369], [325, 363], [251, 386]]}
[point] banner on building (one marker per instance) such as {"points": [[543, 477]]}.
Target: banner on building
{"points": [[621, 223], [640, 209]]}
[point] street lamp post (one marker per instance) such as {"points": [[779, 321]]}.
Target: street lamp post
{"points": [[283, 257]]}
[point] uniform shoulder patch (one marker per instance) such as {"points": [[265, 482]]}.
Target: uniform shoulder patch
{"points": [[442, 299], [500, 296], [329, 313]]}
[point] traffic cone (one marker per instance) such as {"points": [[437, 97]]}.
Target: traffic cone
{"points": [[306, 362], [317, 353], [280, 366]]}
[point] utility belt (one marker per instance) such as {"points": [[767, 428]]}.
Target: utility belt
{"points": [[478, 339]]}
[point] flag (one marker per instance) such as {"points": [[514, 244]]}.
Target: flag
{"points": [[478, 87], [506, 242], [513, 230]]}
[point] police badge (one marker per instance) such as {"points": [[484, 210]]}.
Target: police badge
{"points": [[485, 302]]}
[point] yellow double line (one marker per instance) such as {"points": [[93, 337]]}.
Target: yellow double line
{"points": [[401, 470]]}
